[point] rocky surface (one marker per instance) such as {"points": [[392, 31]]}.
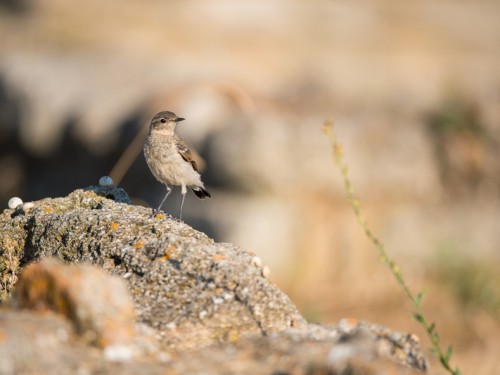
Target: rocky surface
{"points": [[98, 304], [200, 306]]}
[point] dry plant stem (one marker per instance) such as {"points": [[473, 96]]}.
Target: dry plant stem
{"points": [[418, 314], [129, 155]]}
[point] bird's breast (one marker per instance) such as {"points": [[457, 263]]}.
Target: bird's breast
{"points": [[167, 165]]}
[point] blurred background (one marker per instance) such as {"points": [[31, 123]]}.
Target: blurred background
{"points": [[413, 89]]}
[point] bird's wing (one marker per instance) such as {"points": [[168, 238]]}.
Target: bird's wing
{"points": [[186, 154]]}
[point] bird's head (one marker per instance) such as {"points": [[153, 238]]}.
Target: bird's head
{"points": [[164, 122]]}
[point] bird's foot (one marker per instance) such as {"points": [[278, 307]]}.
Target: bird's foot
{"points": [[156, 213]]}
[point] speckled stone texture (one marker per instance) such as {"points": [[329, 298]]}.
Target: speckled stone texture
{"points": [[193, 290], [98, 304], [201, 307]]}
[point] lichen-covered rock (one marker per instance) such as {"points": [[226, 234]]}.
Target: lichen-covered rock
{"points": [[47, 344], [350, 348], [98, 304], [188, 291], [193, 290]]}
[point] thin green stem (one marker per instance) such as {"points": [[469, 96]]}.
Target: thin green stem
{"points": [[418, 313]]}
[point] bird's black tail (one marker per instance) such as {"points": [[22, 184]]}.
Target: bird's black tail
{"points": [[201, 192]]}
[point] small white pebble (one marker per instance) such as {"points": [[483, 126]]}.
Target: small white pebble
{"points": [[346, 325], [257, 262], [202, 314], [217, 300], [127, 275], [15, 202], [28, 206], [171, 325], [266, 271], [106, 181], [118, 353]]}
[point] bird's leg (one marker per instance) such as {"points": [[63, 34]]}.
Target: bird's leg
{"points": [[169, 190], [183, 192], [182, 204]]}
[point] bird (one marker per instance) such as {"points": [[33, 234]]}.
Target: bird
{"points": [[170, 159]]}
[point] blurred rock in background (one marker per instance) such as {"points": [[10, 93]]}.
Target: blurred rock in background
{"points": [[414, 90]]}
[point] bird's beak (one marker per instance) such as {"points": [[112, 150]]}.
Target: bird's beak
{"points": [[179, 119]]}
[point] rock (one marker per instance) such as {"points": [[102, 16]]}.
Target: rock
{"points": [[34, 343], [47, 344], [195, 291], [201, 307], [97, 303], [313, 350]]}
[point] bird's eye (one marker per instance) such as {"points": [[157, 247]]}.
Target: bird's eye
{"points": [[163, 121]]}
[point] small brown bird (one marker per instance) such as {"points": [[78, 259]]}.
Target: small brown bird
{"points": [[170, 160]]}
